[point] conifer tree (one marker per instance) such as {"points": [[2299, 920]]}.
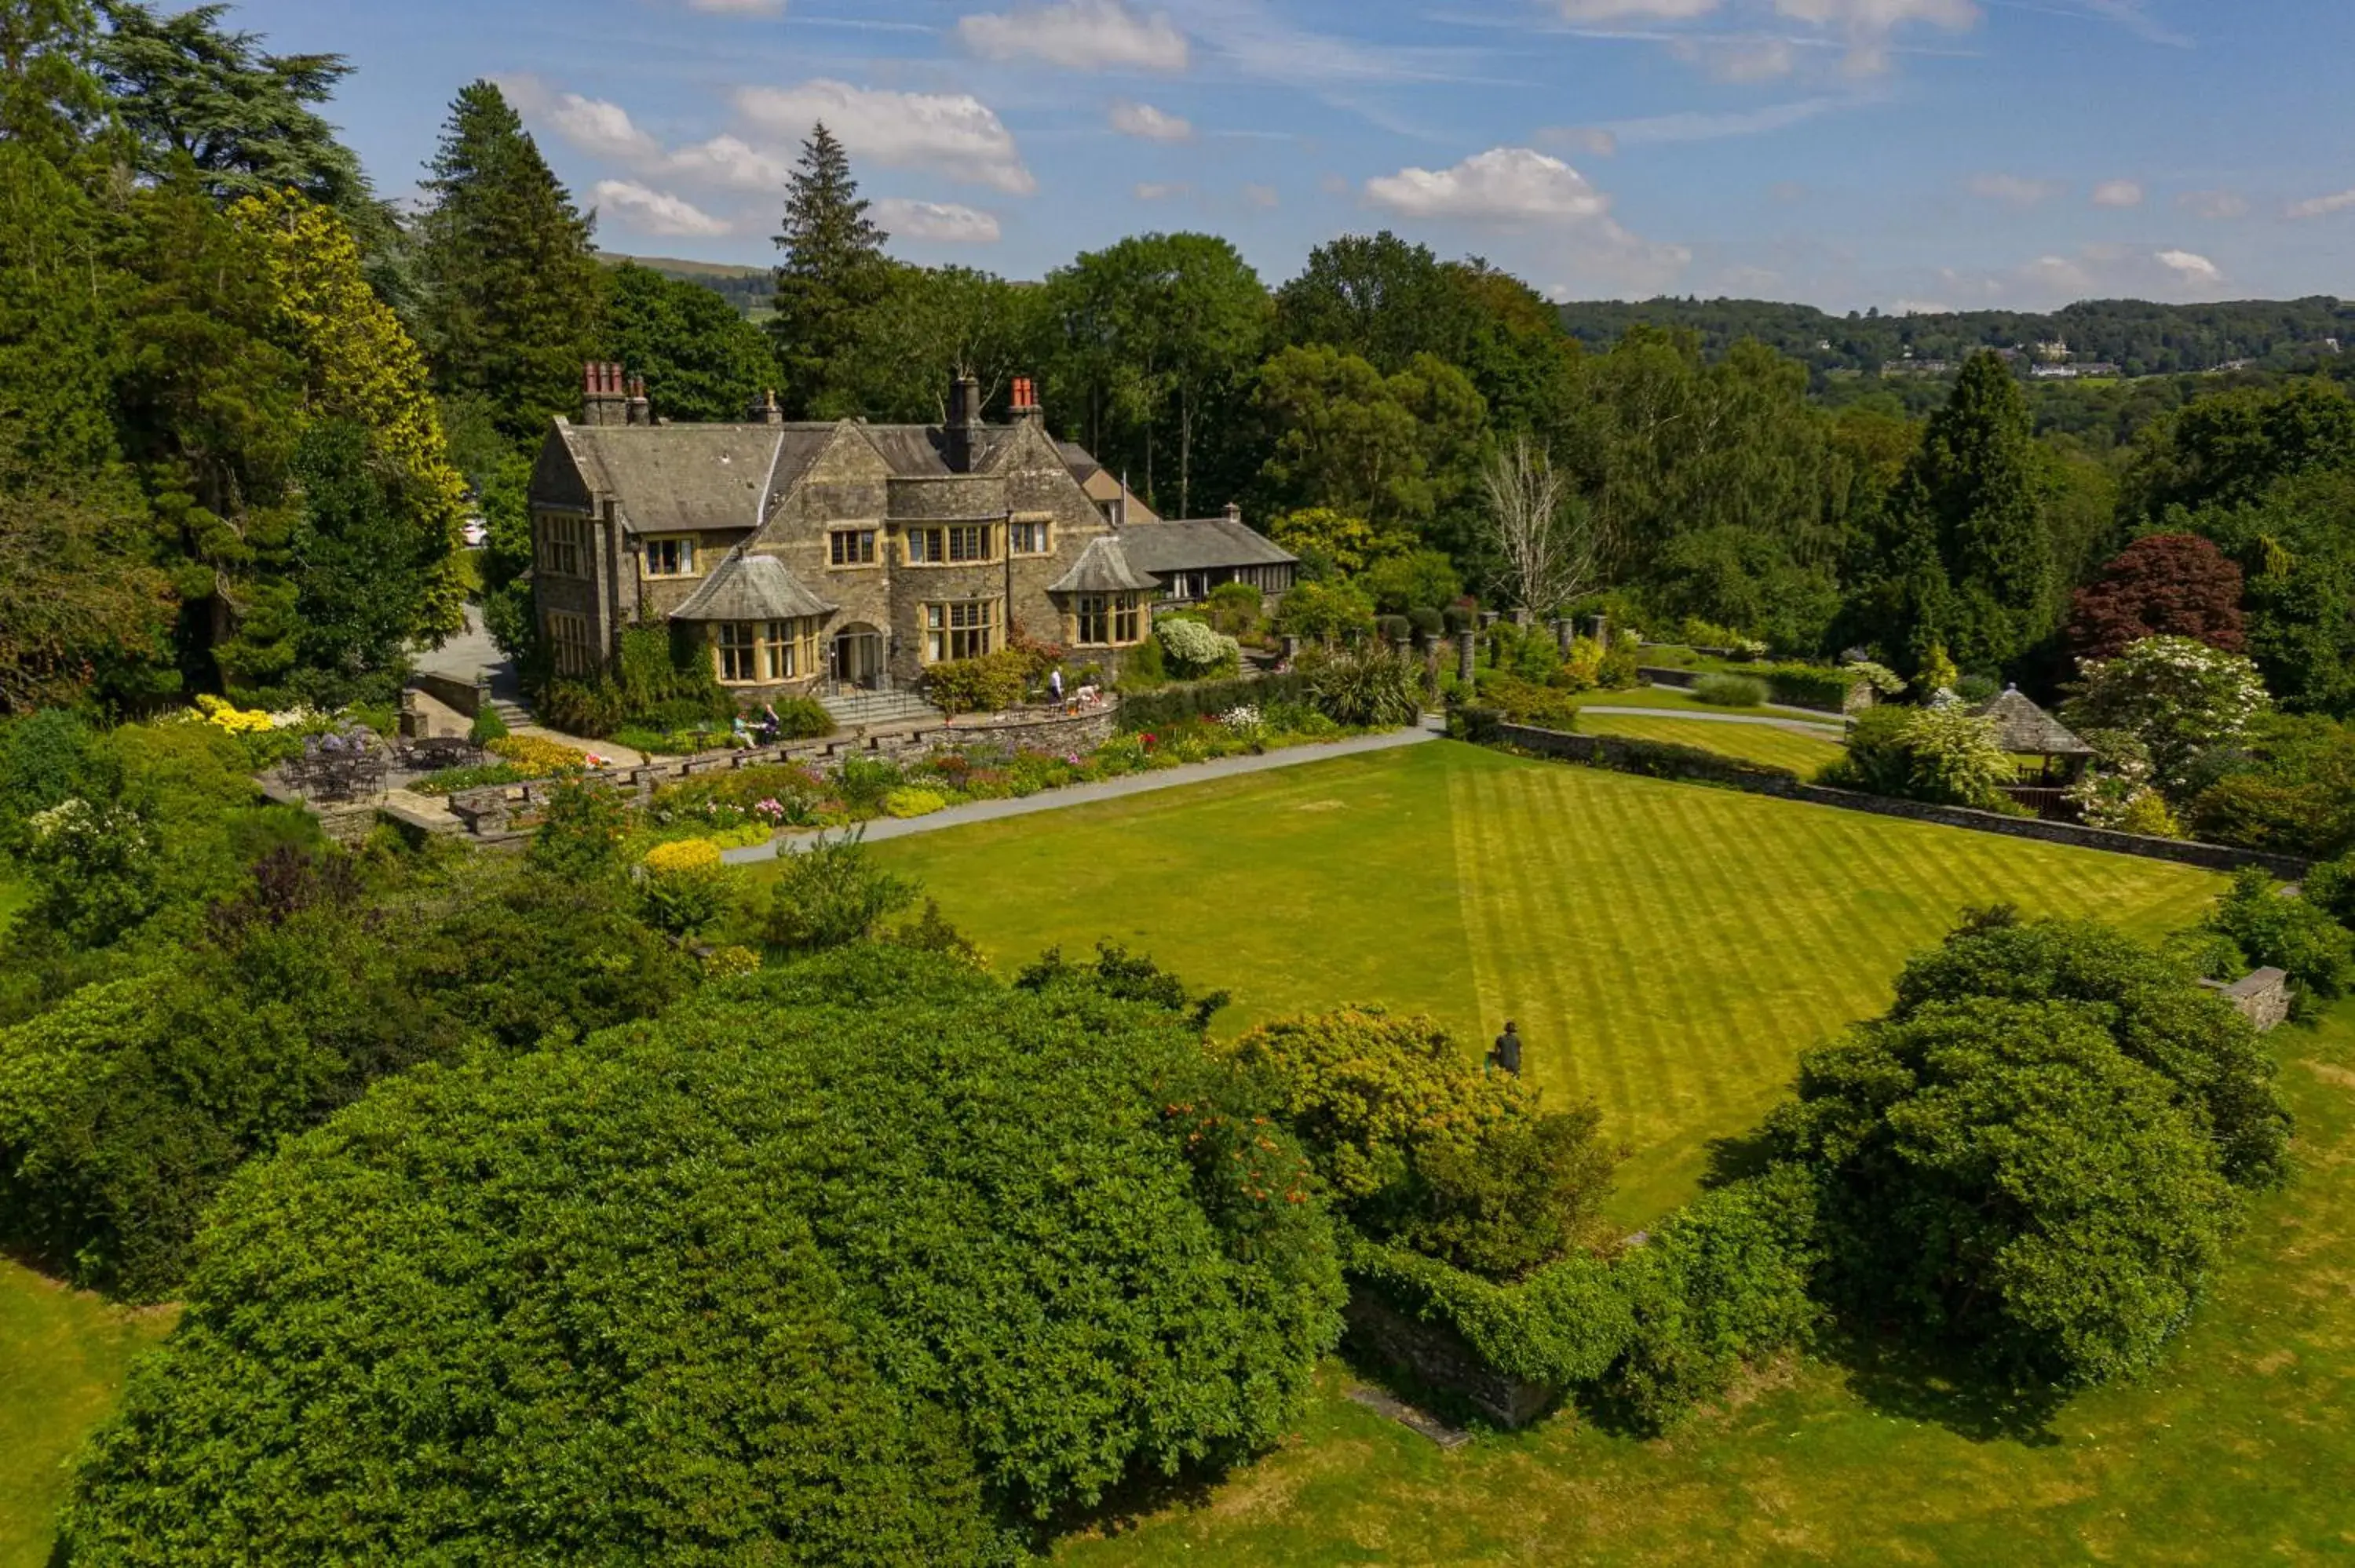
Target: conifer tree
{"points": [[514, 294], [1970, 501], [834, 267]]}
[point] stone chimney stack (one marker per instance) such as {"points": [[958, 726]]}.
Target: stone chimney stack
{"points": [[1025, 406], [765, 411], [641, 411], [605, 401], [1234, 513], [965, 410]]}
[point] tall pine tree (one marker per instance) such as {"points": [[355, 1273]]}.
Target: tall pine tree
{"points": [[834, 267], [1965, 551], [513, 295]]}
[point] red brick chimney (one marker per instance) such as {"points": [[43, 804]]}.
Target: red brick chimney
{"points": [[605, 401], [641, 411], [1025, 403]]}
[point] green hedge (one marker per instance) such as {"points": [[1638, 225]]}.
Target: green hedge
{"points": [[1564, 1326], [1208, 699]]}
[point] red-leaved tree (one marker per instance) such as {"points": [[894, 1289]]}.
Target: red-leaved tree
{"points": [[2168, 585]]}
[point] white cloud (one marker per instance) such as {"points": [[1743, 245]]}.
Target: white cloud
{"points": [[1920, 308], [1502, 185], [2215, 206], [2096, 271], [1157, 190], [656, 212], [2323, 207], [2191, 268], [2013, 189], [739, 7], [1870, 26], [731, 162], [951, 133], [1079, 35], [1153, 125], [1262, 197], [943, 223], [2118, 193]]}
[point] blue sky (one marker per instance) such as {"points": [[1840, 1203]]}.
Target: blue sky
{"points": [[1899, 154]]}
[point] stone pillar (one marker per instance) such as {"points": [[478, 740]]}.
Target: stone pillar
{"points": [[1488, 617], [1565, 631], [1602, 630], [1291, 649], [1467, 656]]}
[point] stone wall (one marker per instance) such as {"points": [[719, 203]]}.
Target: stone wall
{"points": [[2263, 998], [1438, 1357], [1610, 751], [493, 810]]}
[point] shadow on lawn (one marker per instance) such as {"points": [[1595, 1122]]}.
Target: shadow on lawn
{"points": [[1892, 1376]]}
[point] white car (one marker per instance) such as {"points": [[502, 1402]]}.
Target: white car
{"points": [[476, 533]]}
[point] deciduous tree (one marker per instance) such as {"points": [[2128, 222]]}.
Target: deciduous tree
{"points": [[2167, 584]]}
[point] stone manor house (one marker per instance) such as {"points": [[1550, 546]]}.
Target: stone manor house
{"points": [[814, 557]]}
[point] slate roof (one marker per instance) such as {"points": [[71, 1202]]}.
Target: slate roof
{"points": [[1080, 461], [2027, 730], [1102, 568], [1164, 548], [679, 479], [751, 587]]}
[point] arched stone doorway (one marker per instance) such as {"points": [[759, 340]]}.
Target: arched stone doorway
{"points": [[855, 657]]}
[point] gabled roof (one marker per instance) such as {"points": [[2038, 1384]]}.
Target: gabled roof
{"points": [[751, 587], [677, 479], [1102, 568], [1080, 461], [1191, 547], [2023, 728]]}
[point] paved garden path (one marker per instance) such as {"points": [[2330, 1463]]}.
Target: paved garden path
{"points": [[1825, 728], [884, 828]]}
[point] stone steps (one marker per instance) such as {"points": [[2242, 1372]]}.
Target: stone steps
{"points": [[870, 710]]}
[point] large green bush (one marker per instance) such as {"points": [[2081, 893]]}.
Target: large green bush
{"points": [[124, 1108], [1943, 756], [1424, 1149], [1730, 690], [1999, 1177], [2157, 1013], [1723, 1282], [703, 1290], [2290, 934], [987, 684]]}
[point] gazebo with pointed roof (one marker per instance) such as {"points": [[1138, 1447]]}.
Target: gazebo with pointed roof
{"points": [[2024, 729]]}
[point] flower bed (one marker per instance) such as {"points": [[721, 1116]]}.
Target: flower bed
{"points": [[759, 801]]}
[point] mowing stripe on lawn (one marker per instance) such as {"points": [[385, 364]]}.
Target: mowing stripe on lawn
{"points": [[1761, 742]]}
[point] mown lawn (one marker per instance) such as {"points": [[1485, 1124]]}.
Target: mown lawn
{"points": [[1666, 948], [62, 1358], [1805, 754], [2240, 1451]]}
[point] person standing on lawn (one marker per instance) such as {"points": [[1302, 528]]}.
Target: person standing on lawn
{"points": [[1506, 1053]]}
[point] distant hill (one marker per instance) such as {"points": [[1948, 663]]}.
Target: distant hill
{"points": [[750, 288], [2137, 337]]}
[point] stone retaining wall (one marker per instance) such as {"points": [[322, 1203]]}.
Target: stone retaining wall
{"points": [[493, 809], [1610, 751], [1438, 1357]]}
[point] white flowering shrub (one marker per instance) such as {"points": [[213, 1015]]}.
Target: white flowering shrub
{"points": [[2180, 699], [1243, 719], [94, 870], [1192, 649]]}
